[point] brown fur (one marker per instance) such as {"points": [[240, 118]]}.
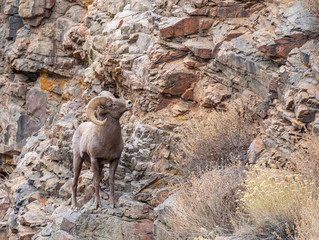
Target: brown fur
{"points": [[99, 145]]}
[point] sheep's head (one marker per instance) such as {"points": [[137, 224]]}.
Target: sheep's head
{"points": [[107, 105]]}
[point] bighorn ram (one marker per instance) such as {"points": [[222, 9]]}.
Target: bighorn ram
{"points": [[99, 142]]}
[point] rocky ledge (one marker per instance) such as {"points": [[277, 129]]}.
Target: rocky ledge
{"points": [[171, 58]]}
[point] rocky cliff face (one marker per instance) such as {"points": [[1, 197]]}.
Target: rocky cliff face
{"points": [[170, 57]]}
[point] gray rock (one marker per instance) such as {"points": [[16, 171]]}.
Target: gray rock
{"points": [[15, 23], [10, 7], [133, 209], [37, 103], [69, 220], [298, 19]]}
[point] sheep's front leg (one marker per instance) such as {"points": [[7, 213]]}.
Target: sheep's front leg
{"points": [[113, 166], [77, 166], [102, 193], [96, 181]]}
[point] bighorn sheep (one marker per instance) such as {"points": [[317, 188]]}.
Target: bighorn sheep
{"points": [[99, 142]]}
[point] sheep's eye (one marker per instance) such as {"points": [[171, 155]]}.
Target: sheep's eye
{"points": [[102, 107]]}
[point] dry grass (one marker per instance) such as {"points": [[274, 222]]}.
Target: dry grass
{"points": [[306, 162], [215, 139], [308, 225], [306, 159], [206, 204], [217, 197], [261, 203], [214, 146], [274, 201]]}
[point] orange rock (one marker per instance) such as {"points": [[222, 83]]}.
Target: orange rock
{"points": [[25, 232], [144, 229], [201, 47], [190, 63], [206, 23], [160, 196], [178, 78], [175, 27], [188, 94], [282, 47]]}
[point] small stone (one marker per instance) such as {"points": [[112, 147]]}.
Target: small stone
{"points": [[46, 232], [289, 103], [178, 78], [196, 11], [25, 232], [201, 47], [37, 102], [301, 97], [255, 148], [15, 23], [282, 47], [190, 63], [315, 127], [52, 186], [188, 94], [144, 229], [206, 23], [35, 196], [213, 95], [69, 221], [199, 3], [33, 11], [304, 114], [63, 235], [178, 110], [160, 196], [65, 191], [133, 209], [35, 215]]}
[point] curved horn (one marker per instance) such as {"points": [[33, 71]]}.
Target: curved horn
{"points": [[106, 94], [92, 105]]}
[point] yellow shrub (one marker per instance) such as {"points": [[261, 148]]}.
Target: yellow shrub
{"points": [[274, 201], [308, 225], [306, 159]]}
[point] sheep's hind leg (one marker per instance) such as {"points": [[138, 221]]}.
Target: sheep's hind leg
{"points": [[96, 182], [113, 166], [77, 166]]}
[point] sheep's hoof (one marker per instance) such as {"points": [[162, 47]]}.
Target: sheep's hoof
{"points": [[97, 205], [74, 207], [112, 204]]}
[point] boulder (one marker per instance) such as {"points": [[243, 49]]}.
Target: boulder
{"points": [[200, 47], [133, 209], [15, 23], [175, 27], [283, 46], [215, 94], [33, 11], [178, 78]]}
